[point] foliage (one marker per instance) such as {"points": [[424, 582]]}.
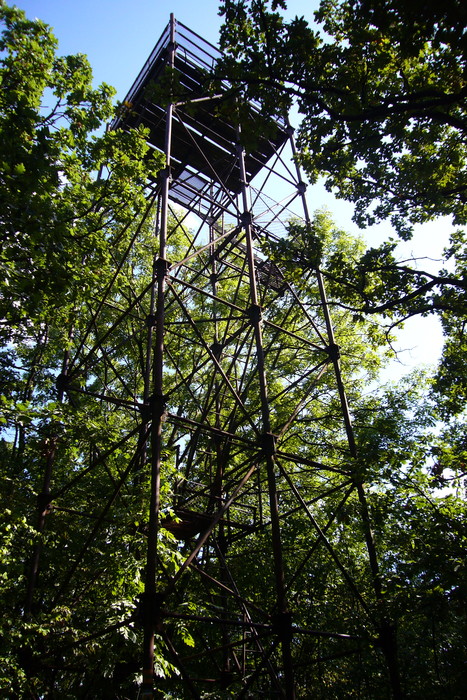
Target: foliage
{"points": [[70, 194], [381, 90], [380, 87], [58, 215], [76, 313], [418, 523]]}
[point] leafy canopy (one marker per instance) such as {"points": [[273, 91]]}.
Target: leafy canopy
{"points": [[65, 232], [381, 87], [66, 186], [382, 94]]}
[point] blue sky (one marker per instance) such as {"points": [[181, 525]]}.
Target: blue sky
{"points": [[118, 36]]}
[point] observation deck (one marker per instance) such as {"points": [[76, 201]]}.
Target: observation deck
{"points": [[204, 141]]}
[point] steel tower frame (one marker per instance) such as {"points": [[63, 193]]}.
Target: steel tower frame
{"points": [[240, 375]]}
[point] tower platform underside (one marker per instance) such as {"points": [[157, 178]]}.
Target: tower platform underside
{"points": [[204, 140]]}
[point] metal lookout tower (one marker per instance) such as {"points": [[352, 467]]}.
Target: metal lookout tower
{"points": [[243, 448]]}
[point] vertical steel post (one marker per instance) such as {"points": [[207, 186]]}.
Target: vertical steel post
{"points": [[386, 633], [156, 407], [150, 323], [282, 619], [218, 481]]}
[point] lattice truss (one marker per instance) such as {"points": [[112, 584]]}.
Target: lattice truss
{"points": [[225, 473]]}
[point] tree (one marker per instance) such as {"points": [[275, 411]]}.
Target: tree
{"points": [[75, 454], [57, 214], [381, 92], [72, 195], [420, 530], [380, 87], [382, 96]]}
